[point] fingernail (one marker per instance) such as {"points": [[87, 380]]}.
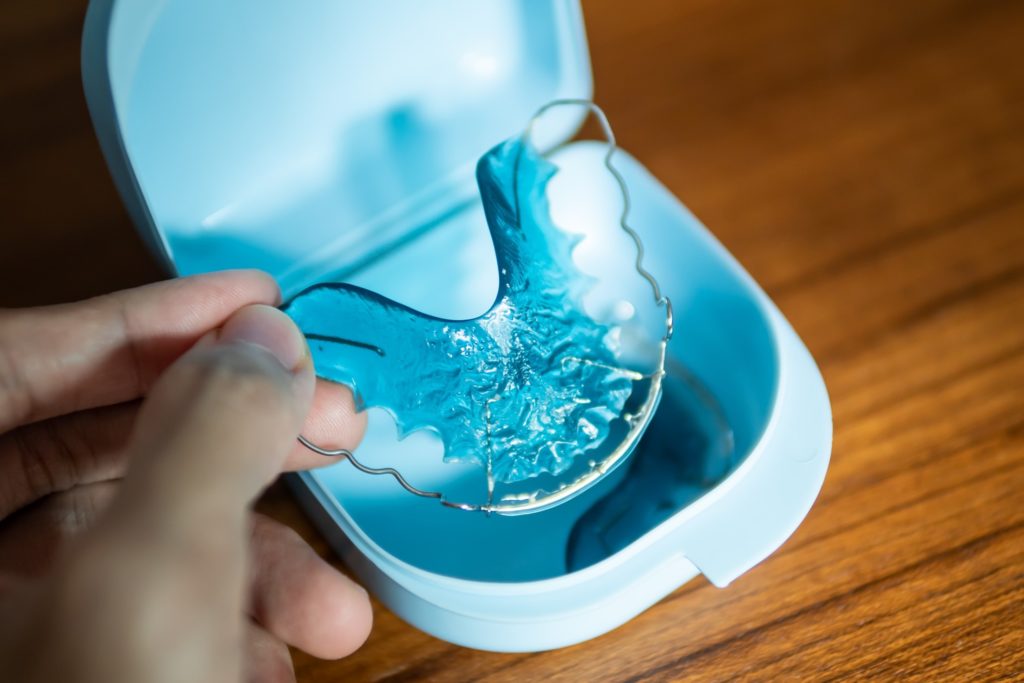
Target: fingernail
{"points": [[269, 329]]}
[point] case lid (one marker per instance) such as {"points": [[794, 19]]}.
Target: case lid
{"points": [[304, 139]]}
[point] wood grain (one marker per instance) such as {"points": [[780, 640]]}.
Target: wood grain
{"points": [[865, 161]]}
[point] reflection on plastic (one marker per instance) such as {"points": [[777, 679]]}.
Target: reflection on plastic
{"points": [[687, 450], [523, 390]]}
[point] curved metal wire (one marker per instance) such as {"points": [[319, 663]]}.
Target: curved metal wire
{"points": [[366, 469], [627, 202], [659, 298]]}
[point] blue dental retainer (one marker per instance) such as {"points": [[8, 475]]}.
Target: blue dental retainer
{"points": [[337, 143], [533, 389]]}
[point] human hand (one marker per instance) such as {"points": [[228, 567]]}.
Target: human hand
{"points": [[135, 430]]}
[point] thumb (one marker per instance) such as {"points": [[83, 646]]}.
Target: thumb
{"points": [[163, 576], [218, 424]]}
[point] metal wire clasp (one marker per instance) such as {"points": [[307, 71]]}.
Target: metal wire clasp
{"points": [[542, 499]]}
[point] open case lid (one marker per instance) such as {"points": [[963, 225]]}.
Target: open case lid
{"points": [[303, 140]]}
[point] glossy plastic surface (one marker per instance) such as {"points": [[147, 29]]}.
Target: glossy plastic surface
{"points": [[304, 141], [512, 583], [527, 388], [341, 139]]}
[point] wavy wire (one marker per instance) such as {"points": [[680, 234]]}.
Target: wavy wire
{"points": [[659, 298]]}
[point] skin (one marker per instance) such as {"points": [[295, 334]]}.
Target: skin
{"points": [[136, 429]]}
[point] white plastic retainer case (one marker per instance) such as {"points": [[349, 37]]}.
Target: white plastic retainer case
{"points": [[338, 141]]}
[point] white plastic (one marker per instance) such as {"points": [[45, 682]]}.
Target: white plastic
{"points": [[339, 138]]}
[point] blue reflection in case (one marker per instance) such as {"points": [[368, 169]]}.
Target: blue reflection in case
{"points": [[337, 141]]}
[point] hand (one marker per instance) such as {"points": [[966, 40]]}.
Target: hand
{"points": [[127, 550]]}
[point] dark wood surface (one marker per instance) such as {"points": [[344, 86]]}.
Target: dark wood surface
{"points": [[865, 162]]}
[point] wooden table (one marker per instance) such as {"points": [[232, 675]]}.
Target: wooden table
{"points": [[865, 161]]}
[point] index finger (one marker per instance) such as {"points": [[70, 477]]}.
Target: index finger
{"points": [[110, 349]]}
